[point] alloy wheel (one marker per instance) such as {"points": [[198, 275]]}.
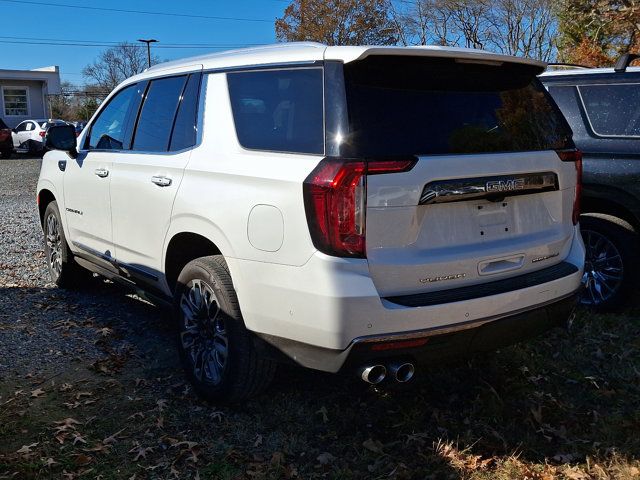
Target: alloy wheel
{"points": [[204, 335], [603, 270], [54, 244]]}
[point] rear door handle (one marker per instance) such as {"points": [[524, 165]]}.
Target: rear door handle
{"points": [[161, 181], [102, 172]]}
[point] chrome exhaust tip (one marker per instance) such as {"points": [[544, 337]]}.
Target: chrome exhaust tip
{"points": [[402, 372], [373, 374]]}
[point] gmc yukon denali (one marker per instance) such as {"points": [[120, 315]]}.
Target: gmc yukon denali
{"points": [[351, 209]]}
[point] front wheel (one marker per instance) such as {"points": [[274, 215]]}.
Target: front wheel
{"points": [[611, 262], [63, 270], [217, 351]]}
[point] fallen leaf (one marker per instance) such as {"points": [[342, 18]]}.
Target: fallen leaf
{"points": [[325, 458], [140, 452], [26, 449], [112, 438], [373, 445], [82, 459], [38, 392]]}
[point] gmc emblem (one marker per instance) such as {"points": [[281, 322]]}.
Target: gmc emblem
{"points": [[505, 185]]}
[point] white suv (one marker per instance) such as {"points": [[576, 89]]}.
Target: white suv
{"points": [[28, 136], [351, 209]]}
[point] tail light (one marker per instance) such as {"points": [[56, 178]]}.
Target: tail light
{"points": [[335, 196], [42, 134], [574, 156]]}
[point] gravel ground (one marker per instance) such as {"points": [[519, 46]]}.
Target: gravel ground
{"points": [[52, 326]]}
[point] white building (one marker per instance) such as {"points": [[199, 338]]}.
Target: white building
{"points": [[23, 93]]}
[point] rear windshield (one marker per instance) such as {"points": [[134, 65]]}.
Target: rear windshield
{"points": [[422, 106]]}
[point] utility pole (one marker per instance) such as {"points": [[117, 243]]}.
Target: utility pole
{"points": [[148, 42]]}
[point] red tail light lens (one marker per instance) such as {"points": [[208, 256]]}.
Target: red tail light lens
{"points": [[335, 202], [42, 134], [576, 157]]}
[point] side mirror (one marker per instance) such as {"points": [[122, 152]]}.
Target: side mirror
{"points": [[62, 137]]}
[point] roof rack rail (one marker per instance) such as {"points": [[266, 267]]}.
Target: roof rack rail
{"points": [[572, 65], [624, 61]]}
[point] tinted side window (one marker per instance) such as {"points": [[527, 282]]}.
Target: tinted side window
{"points": [[280, 110], [158, 113], [613, 109], [186, 128], [22, 127], [108, 131]]}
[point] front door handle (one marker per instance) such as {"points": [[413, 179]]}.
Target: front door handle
{"points": [[102, 172], [161, 181]]}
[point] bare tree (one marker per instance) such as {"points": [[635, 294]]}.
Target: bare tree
{"points": [[116, 64], [514, 27], [524, 27]]}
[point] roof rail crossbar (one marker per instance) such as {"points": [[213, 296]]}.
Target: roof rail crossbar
{"points": [[624, 61], [562, 64]]}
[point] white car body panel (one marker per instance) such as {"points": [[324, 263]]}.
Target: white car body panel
{"points": [[87, 201]]}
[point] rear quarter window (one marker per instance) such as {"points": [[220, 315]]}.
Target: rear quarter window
{"points": [[612, 110], [279, 110]]}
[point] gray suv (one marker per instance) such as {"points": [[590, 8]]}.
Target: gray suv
{"points": [[602, 106]]}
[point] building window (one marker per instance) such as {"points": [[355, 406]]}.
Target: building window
{"points": [[16, 101]]}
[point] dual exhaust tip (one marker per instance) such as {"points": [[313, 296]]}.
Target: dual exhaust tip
{"points": [[401, 372]]}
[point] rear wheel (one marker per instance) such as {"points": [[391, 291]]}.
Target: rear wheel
{"points": [[63, 270], [216, 349], [611, 261]]}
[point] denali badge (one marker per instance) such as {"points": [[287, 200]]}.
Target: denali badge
{"points": [[546, 257], [74, 211], [507, 185], [440, 278]]}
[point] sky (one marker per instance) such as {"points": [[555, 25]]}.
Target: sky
{"points": [[48, 21]]}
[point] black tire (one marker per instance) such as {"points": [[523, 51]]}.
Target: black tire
{"points": [[217, 352], [611, 262], [5, 154], [64, 271]]}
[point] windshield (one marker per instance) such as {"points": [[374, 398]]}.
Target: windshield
{"points": [[422, 106]]}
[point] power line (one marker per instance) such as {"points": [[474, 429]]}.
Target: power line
{"points": [[112, 42], [20, 42], [139, 12]]}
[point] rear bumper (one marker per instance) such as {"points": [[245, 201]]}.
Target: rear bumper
{"points": [[435, 345], [321, 313], [463, 341]]}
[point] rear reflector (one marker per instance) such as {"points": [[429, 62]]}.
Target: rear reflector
{"points": [[575, 156], [418, 342]]}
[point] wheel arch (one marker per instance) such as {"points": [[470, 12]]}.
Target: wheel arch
{"points": [[611, 201], [191, 237], [45, 197]]}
